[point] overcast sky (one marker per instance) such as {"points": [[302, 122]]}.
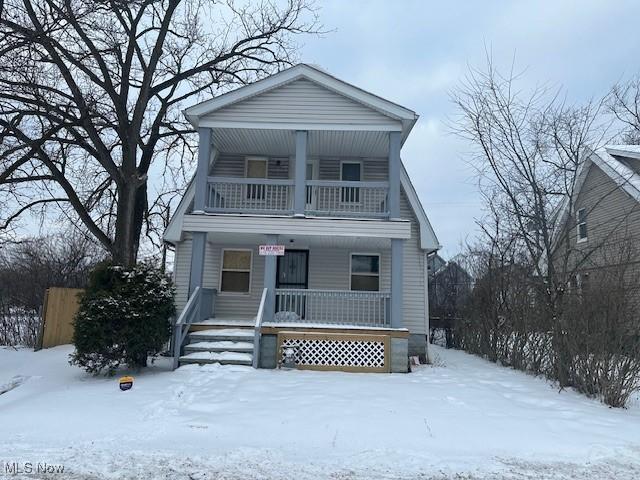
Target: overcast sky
{"points": [[414, 52]]}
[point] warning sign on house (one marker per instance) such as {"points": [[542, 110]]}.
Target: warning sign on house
{"points": [[271, 250]]}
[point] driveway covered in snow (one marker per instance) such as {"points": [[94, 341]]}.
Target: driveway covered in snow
{"points": [[464, 418]]}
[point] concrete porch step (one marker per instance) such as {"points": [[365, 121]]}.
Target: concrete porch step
{"points": [[221, 334], [219, 346], [223, 358], [228, 321]]}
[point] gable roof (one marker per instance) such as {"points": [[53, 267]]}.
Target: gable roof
{"points": [[313, 74], [604, 158], [428, 239]]}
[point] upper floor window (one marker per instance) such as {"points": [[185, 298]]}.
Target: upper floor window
{"points": [[256, 167], [581, 218], [350, 172], [365, 272]]}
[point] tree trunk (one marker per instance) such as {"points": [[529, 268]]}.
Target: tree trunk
{"points": [[132, 203]]}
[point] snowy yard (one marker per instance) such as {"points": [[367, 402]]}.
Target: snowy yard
{"points": [[464, 419]]}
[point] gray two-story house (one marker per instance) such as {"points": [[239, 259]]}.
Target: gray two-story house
{"points": [[301, 239], [599, 224]]}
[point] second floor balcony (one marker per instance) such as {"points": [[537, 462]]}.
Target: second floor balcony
{"points": [[330, 174], [323, 198]]}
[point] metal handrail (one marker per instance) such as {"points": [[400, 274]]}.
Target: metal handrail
{"points": [[256, 333], [181, 327]]}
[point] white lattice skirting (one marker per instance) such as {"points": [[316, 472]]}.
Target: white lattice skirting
{"points": [[336, 351]]}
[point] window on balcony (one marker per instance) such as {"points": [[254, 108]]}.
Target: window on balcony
{"points": [[256, 167], [365, 272], [350, 172]]}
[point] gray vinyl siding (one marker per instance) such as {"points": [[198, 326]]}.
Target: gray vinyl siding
{"points": [[302, 101], [613, 221], [181, 272], [328, 269], [234, 166], [373, 169], [237, 305], [414, 288]]}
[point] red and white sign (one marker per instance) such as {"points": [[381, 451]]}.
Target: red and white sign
{"points": [[271, 250]]}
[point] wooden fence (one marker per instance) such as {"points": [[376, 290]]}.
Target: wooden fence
{"points": [[59, 309]]}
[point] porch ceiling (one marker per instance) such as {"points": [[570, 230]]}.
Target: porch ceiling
{"points": [[361, 143], [301, 241]]}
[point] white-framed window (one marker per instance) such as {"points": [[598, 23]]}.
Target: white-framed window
{"points": [[365, 272], [256, 167], [581, 221], [350, 171], [235, 270]]}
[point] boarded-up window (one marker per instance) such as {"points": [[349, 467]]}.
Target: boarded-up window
{"points": [[236, 271], [365, 272]]}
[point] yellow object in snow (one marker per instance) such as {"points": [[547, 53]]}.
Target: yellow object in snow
{"points": [[126, 383]]}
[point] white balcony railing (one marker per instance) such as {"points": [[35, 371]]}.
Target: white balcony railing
{"points": [[250, 195], [323, 198], [353, 199], [338, 307]]}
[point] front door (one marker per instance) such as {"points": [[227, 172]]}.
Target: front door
{"points": [[292, 273]]}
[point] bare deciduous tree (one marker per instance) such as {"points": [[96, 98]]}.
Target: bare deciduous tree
{"points": [[624, 103], [529, 307], [529, 151], [27, 269], [91, 92]]}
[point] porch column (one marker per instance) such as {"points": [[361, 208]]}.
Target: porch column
{"points": [[301, 173], [202, 171], [270, 280], [394, 174], [198, 245], [397, 258]]}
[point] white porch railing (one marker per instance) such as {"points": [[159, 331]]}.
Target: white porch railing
{"points": [[339, 307], [256, 330], [354, 199], [181, 327], [250, 195]]}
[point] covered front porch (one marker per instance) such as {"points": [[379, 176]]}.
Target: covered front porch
{"points": [[319, 279], [329, 298]]}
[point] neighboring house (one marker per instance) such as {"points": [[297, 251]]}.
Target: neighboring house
{"points": [[434, 263], [306, 166], [599, 226], [449, 286]]}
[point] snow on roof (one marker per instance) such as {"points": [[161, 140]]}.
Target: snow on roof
{"points": [[625, 177], [618, 171], [629, 151]]}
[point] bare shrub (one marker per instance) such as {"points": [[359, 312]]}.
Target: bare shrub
{"points": [[27, 269]]}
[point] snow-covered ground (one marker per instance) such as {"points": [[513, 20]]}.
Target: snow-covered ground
{"points": [[463, 418]]}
